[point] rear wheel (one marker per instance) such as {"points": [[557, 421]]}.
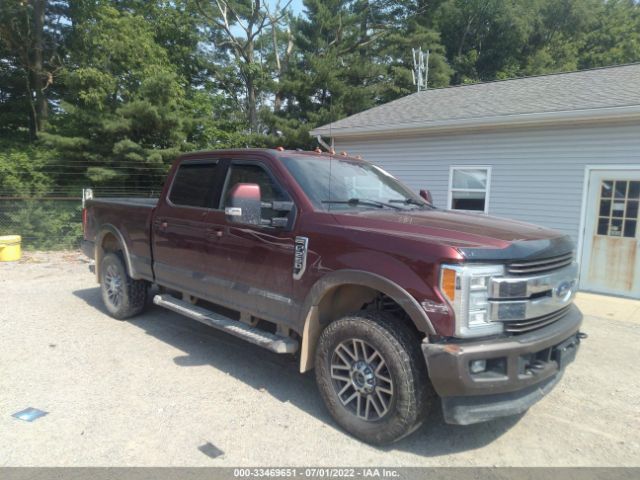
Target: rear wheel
{"points": [[123, 296], [372, 377]]}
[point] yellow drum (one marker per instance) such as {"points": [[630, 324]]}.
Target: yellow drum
{"points": [[10, 248]]}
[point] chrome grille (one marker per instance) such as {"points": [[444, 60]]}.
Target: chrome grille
{"points": [[523, 326], [540, 266]]}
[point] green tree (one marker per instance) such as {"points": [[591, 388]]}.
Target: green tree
{"points": [[483, 38], [122, 115], [349, 56], [235, 29], [30, 35], [613, 35]]}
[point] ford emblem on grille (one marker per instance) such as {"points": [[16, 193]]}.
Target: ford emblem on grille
{"points": [[564, 289]]}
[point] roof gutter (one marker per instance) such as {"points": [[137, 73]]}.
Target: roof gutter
{"points": [[574, 116]]}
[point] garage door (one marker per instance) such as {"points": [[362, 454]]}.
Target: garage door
{"points": [[610, 259]]}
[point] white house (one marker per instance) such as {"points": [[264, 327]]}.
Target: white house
{"points": [[558, 150]]}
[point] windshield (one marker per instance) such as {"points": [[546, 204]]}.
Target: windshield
{"points": [[354, 184]]}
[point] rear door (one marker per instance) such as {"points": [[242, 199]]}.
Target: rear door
{"points": [[254, 263], [610, 257], [181, 234]]}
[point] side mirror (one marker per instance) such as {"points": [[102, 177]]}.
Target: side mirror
{"points": [[245, 207], [244, 204], [426, 194]]}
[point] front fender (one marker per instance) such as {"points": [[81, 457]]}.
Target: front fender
{"points": [[311, 315], [371, 280]]}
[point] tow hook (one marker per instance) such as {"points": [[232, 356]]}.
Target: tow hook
{"points": [[582, 336]]}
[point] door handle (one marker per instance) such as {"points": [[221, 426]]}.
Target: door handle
{"points": [[215, 233], [160, 224]]}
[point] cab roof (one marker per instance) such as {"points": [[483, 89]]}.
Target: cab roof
{"points": [[272, 152]]}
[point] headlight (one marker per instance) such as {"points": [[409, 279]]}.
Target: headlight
{"points": [[467, 289]]}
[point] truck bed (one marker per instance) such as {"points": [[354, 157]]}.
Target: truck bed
{"points": [[130, 218]]}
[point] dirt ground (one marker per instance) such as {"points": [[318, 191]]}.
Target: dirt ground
{"points": [[156, 389]]}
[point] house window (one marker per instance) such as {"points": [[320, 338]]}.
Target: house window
{"points": [[469, 188]]}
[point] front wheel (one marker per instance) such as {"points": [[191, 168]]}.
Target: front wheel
{"points": [[123, 296], [372, 377]]}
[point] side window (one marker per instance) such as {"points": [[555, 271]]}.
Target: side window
{"points": [[469, 188], [253, 173], [194, 184]]}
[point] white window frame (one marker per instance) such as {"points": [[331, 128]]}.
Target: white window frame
{"points": [[486, 190]]}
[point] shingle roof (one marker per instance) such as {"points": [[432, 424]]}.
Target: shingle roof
{"points": [[485, 103]]}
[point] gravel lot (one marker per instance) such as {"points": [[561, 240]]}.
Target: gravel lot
{"points": [[151, 391]]}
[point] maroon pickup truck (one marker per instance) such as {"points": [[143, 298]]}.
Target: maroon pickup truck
{"points": [[394, 302]]}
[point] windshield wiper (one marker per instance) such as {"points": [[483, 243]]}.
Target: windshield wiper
{"points": [[354, 202], [411, 201]]}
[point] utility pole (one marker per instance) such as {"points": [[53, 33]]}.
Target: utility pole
{"points": [[420, 72]]}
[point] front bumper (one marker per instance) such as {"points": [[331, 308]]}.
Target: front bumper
{"points": [[527, 367]]}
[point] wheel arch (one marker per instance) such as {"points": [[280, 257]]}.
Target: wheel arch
{"points": [[108, 240], [341, 292]]}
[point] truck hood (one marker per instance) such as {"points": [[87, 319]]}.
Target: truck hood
{"points": [[474, 235]]}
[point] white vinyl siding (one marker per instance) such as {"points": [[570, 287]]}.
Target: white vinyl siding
{"points": [[537, 174]]}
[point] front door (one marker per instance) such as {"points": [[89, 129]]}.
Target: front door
{"points": [[610, 257], [254, 262]]}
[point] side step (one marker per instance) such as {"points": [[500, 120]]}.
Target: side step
{"points": [[270, 341]]}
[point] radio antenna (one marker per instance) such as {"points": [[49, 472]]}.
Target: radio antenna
{"points": [[420, 72], [330, 136]]}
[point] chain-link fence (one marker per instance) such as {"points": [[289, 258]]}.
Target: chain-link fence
{"points": [[45, 223], [51, 222], [41, 193]]}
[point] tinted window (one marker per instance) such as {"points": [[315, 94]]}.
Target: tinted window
{"points": [[193, 185], [252, 173]]}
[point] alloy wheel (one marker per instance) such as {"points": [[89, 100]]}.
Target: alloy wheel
{"points": [[114, 286], [361, 379]]}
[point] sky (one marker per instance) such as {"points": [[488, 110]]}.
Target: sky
{"points": [[296, 5]]}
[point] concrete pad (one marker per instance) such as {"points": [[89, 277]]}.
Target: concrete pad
{"points": [[605, 306]]}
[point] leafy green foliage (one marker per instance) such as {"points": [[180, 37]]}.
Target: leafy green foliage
{"points": [[22, 169], [24, 180], [106, 93], [43, 225]]}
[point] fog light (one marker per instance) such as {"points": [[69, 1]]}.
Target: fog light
{"points": [[478, 366]]}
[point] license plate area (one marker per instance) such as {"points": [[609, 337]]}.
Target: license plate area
{"points": [[565, 353]]}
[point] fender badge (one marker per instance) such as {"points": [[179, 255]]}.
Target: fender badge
{"points": [[300, 248]]}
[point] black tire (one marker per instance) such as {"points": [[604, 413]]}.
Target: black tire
{"points": [[122, 296], [398, 348]]}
